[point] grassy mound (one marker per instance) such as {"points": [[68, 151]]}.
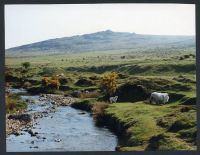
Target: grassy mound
{"points": [[131, 93], [84, 82], [83, 105], [151, 127], [166, 141]]}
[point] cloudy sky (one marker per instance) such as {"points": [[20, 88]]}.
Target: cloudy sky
{"points": [[32, 23]]}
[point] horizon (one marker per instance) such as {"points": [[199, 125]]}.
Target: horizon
{"points": [[27, 24]]}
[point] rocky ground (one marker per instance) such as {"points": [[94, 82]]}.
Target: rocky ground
{"points": [[22, 120], [59, 100]]}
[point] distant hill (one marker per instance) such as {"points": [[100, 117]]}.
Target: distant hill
{"points": [[105, 40]]}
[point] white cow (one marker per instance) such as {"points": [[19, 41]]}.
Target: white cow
{"points": [[113, 99], [159, 97]]}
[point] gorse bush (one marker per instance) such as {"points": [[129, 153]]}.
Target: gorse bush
{"points": [[109, 83], [51, 82]]}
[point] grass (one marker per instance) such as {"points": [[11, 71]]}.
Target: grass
{"points": [[147, 127], [14, 103], [142, 122]]}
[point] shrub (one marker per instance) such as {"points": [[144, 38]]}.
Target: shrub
{"points": [[51, 83], [54, 84], [45, 81], [109, 83], [26, 65]]}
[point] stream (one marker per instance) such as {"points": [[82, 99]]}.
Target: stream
{"points": [[64, 129]]}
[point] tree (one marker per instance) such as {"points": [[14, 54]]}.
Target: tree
{"points": [[109, 83], [24, 70], [26, 65]]}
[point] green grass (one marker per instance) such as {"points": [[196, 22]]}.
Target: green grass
{"points": [[149, 127], [142, 121]]}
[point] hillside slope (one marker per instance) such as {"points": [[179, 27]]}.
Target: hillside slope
{"points": [[105, 40]]}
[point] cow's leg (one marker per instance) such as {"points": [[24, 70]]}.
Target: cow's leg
{"points": [[150, 99]]}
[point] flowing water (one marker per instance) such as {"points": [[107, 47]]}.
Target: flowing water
{"points": [[65, 129]]}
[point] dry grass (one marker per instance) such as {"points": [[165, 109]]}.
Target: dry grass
{"points": [[98, 111], [93, 94]]}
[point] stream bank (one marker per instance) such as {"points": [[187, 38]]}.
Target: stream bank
{"points": [[59, 128]]}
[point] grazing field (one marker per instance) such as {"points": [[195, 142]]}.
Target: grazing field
{"points": [[138, 124]]}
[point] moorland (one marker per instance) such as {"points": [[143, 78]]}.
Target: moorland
{"points": [[139, 65]]}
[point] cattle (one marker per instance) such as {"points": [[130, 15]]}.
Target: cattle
{"points": [[113, 99], [159, 98]]}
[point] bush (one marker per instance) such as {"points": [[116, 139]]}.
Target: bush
{"points": [[109, 83], [45, 81], [26, 65], [51, 83], [54, 84]]}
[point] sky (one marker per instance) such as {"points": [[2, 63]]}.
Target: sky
{"points": [[26, 24]]}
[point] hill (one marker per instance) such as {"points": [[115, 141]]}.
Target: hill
{"points": [[103, 41]]}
